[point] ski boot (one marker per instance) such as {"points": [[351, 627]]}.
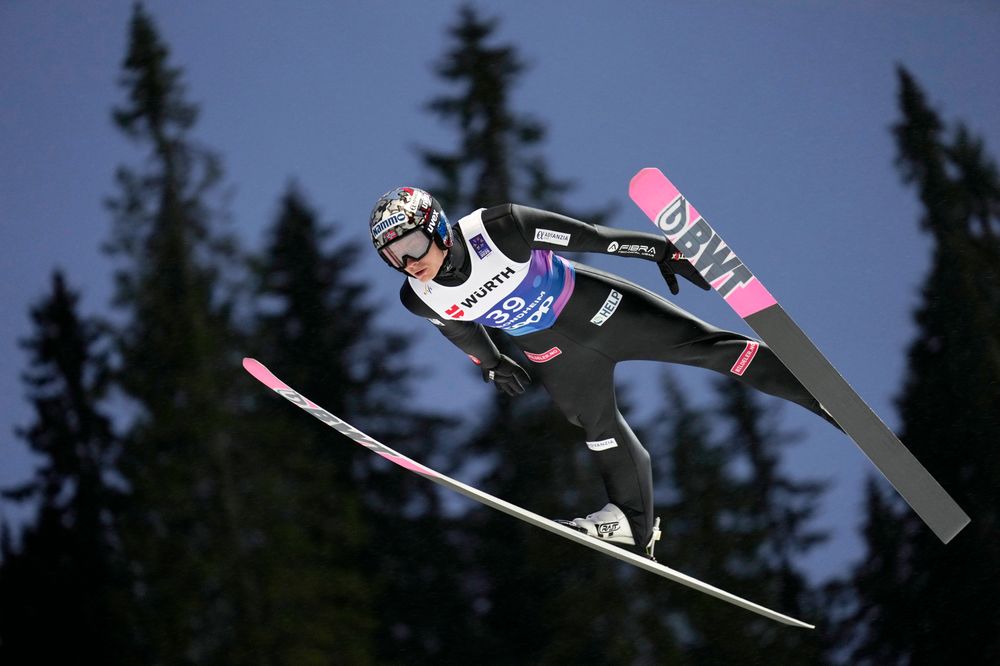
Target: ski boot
{"points": [[610, 524]]}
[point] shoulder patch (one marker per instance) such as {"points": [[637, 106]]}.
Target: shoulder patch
{"points": [[552, 237], [480, 245]]}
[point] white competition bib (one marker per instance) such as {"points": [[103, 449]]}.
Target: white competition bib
{"points": [[518, 297]]}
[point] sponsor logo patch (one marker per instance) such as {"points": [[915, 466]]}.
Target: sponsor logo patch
{"points": [[602, 445], [474, 359], [486, 288], [633, 249], [552, 237], [480, 245], [608, 309], [544, 356], [743, 362], [607, 528], [388, 223], [703, 248]]}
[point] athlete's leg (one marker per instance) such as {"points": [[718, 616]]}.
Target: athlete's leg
{"points": [[581, 384], [645, 326]]}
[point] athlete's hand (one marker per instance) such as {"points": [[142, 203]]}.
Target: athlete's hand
{"points": [[674, 264], [507, 375]]}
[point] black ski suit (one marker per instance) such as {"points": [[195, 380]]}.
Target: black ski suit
{"points": [[581, 323]]}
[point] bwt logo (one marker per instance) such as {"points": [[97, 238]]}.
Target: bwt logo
{"points": [[674, 217], [703, 247]]}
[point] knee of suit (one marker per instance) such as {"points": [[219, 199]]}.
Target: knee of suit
{"points": [[595, 427], [574, 419], [571, 412], [599, 423]]}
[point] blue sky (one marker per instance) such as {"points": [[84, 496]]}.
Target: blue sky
{"points": [[771, 116]]}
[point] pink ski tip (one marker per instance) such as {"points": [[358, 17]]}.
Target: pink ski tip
{"points": [[651, 191], [262, 374], [643, 174]]}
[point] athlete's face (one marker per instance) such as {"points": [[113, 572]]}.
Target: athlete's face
{"points": [[425, 268]]}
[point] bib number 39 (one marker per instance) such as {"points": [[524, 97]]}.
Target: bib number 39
{"points": [[511, 305], [502, 318]]}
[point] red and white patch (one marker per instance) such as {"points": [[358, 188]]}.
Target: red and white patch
{"points": [[474, 359], [544, 356], [743, 362]]}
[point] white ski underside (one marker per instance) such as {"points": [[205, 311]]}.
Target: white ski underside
{"points": [[260, 372]]}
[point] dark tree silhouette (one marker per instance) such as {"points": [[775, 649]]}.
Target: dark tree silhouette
{"points": [[66, 578], [187, 531], [525, 450], [919, 601]]}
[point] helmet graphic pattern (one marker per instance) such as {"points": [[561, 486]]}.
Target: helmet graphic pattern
{"points": [[404, 209]]}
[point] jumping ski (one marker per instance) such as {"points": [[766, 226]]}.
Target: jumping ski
{"points": [[678, 220], [265, 376]]}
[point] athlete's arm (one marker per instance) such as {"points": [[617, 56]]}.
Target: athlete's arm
{"points": [[523, 229], [468, 336], [544, 230]]}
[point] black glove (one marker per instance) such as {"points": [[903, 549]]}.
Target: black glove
{"points": [[507, 375], [674, 264]]}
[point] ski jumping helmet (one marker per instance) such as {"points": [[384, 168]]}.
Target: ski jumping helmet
{"points": [[404, 222]]}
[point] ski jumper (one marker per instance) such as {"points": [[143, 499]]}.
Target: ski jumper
{"points": [[574, 323]]}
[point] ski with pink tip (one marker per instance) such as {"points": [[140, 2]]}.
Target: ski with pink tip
{"points": [[266, 377], [678, 220]]}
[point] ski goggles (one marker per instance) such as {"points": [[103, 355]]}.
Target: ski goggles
{"points": [[413, 245]]}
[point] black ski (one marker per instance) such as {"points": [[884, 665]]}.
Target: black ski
{"points": [[687, 229]]}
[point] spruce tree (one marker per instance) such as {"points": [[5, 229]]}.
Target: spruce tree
{"points": [[703, 506], [732, 518], [306, 316], [775, 520], [498, 158], [527, 452], [313, 323], [187, 529], [66, 579], [917, 600]]}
